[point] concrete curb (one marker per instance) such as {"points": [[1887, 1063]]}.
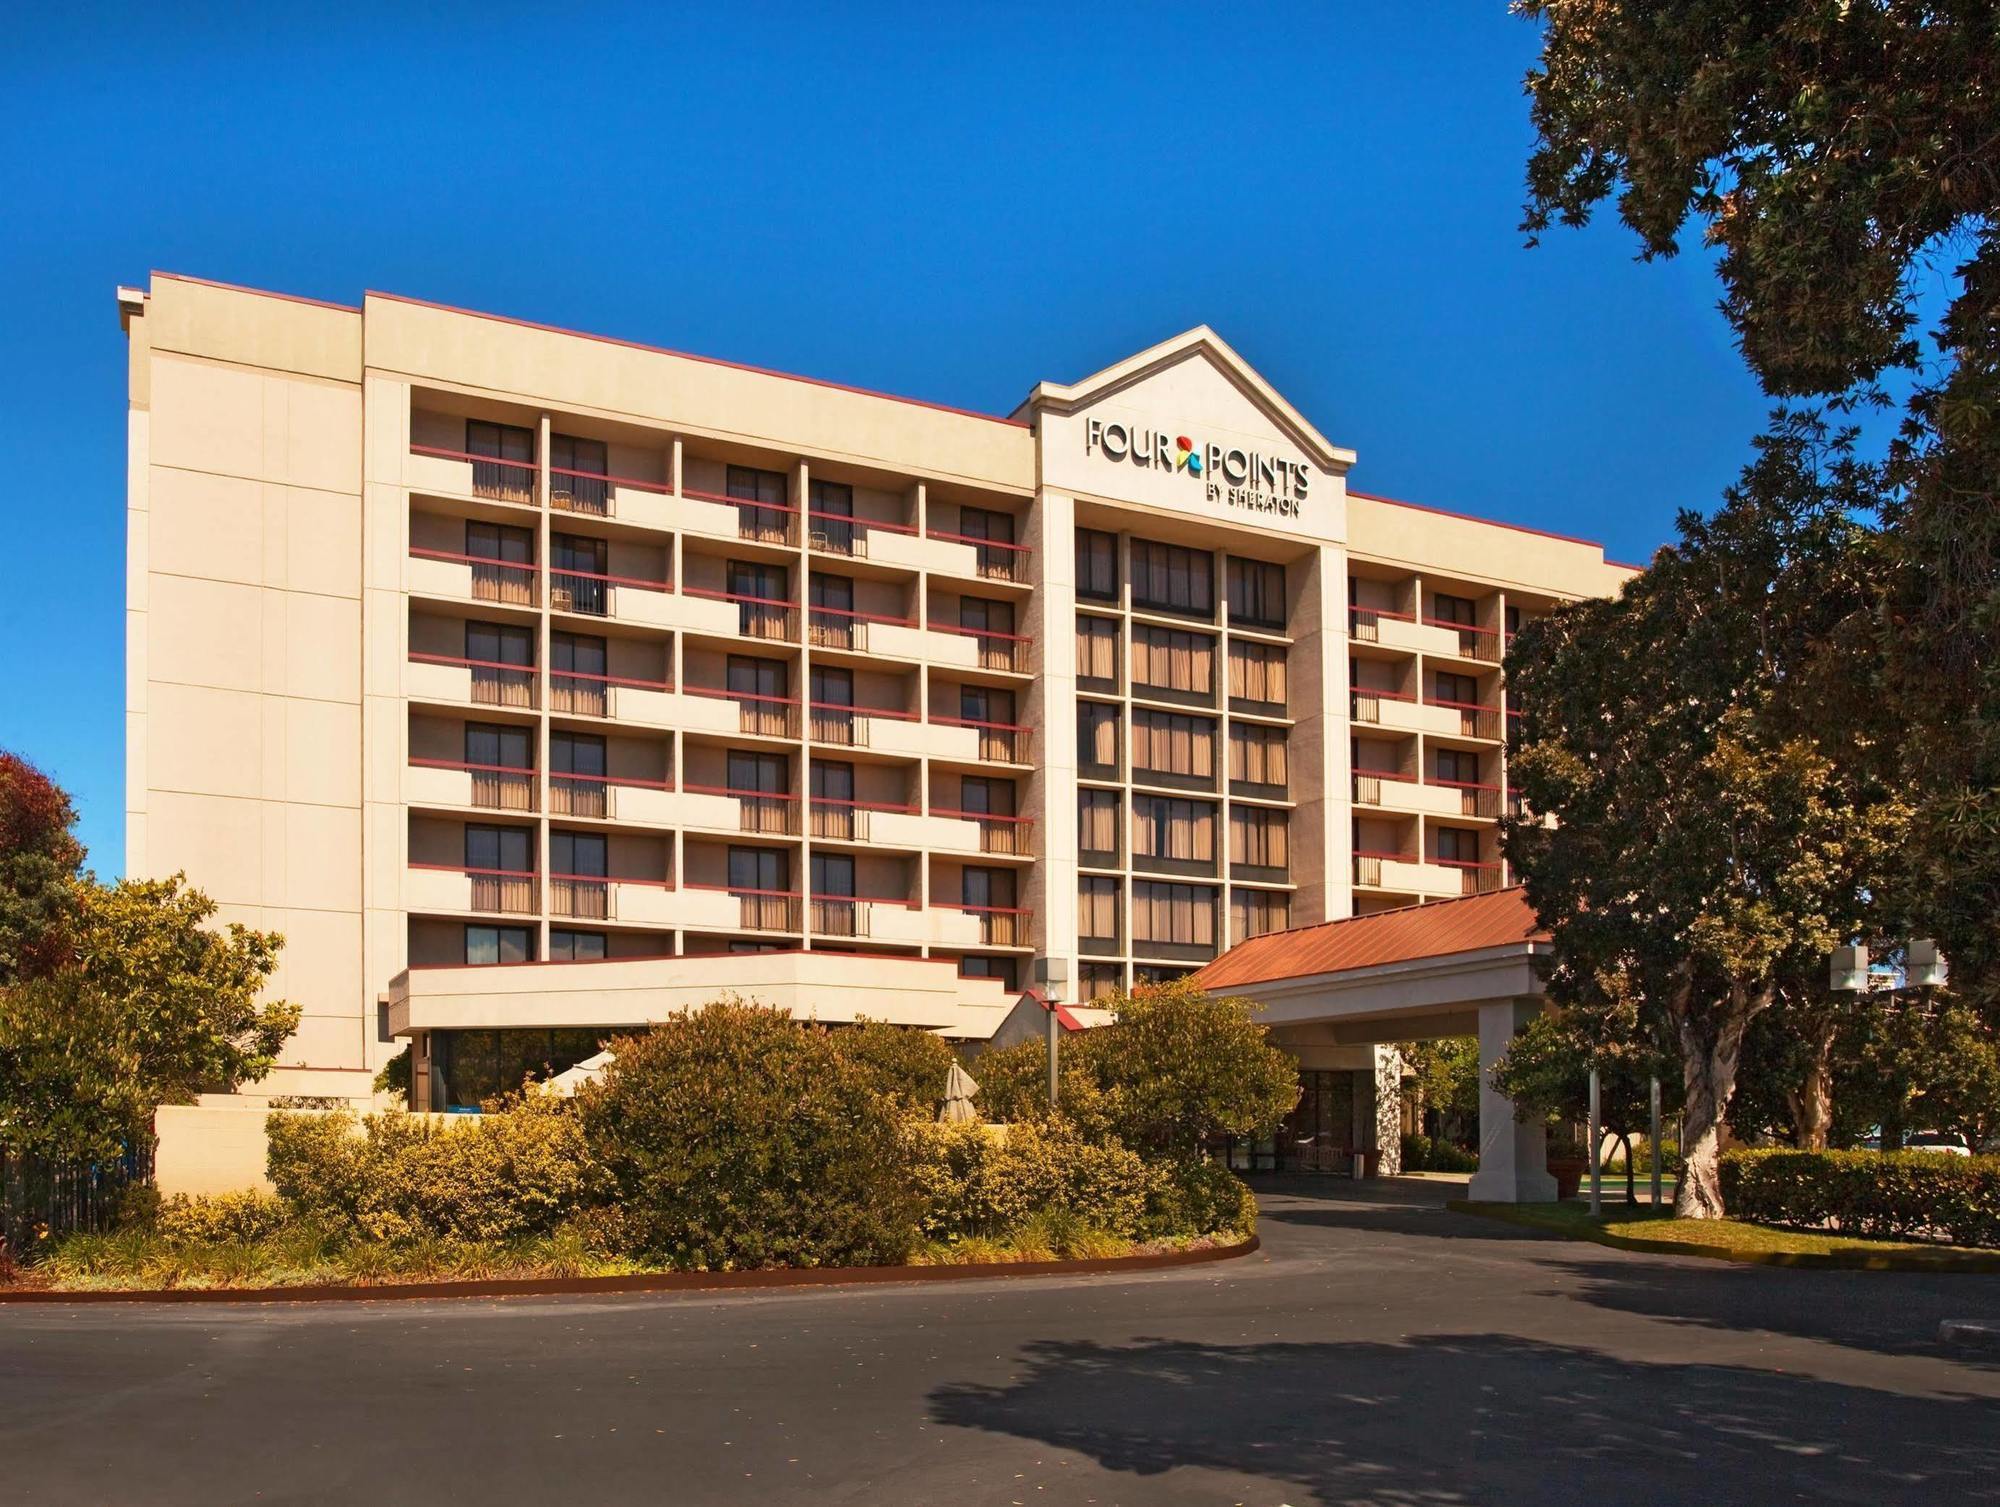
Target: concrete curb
{"points": [[536, 1287], [1980, 1334], [1844, 1261]]}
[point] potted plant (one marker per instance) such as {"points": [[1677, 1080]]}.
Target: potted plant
{"points": [[1567, 1162]]}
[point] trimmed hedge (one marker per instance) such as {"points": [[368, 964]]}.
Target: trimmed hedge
{"points": [[1901, 1194], [1422, 1154]]}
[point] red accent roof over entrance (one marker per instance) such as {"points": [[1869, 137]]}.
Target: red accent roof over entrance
{"points": [[1438, 930]]}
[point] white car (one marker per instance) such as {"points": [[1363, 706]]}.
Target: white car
{"points": [[1922, 1140]]}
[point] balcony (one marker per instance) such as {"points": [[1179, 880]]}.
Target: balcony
{"points": [[592, 897], [1400, 630], [979, 648], [589, 693], [734, 908], [489, 787], [431, 468], [454, 888], [840, 820], [989, 559], [475, 682], [1011, 836], [473, 578], [1482, 644], [863, 632], [720, 515], [1393, 791], [856, 538], [769, 618], [761, 715], [1405, 875], [613, 797], [629, 599], [1001, 925], [883, 729], [596, 494], [990, 742], [1474, 878], [724, 808], [1398, 711]]}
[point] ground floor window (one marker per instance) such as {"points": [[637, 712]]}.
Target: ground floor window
{"points": [[470, 1067], [1318, 1135]]}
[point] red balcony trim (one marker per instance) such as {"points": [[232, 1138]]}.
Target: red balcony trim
{"points": [[639, 582], [983, 816], [865, 617], [592, 675], [981, 910], [634, 482], [722, 695], [1004, 727], [1378, 612], [1439, 622], [610, 779], [734, 596], [738, 889], [1461, 706], [1462, 784], [459, 868], [1023, 549], [904, 901], [968, 632], [829, 800], [1377, 853], [737, 502], [1387, 774], [444, 554], [478, 768], [863, 524], [658, 884], [1461, 863], [863, 711], [476, 664], [1362, 690], [763, 795]]}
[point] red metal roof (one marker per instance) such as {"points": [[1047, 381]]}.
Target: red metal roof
{"points": [[1393, 936]]}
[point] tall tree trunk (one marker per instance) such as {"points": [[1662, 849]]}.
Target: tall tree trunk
{"points": [[1811, 1102], [1711, 1045]]}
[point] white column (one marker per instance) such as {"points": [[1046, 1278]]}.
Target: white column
{"points": [[1513, 1159]]}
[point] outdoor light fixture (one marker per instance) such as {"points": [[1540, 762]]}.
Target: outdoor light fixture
{"points": [[1849, 973], [1923, 964]]}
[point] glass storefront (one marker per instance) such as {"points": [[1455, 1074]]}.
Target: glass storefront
{"points": [[470, 1067], [1318, 1136]]}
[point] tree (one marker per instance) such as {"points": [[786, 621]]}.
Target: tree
{"points": [[1839, 157], [1706, 852], [39, 860], [1442, 1076], [903, 1064]]}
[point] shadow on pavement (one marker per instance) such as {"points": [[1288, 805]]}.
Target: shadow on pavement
{"points": [[1486, 1417]]}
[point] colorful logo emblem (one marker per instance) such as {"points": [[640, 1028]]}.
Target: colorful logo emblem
{"points": [[1186, 457]]}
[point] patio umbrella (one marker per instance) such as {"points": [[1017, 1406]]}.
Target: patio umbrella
{"points": [[567, 1082], [959, 1088]]}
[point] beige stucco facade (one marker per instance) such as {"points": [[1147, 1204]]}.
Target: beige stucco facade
{"points": [[457, 643]]}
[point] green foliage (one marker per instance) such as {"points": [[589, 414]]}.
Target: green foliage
{"points": [[394, 1078], [1423, 1154], [737, 1137], [1546, 1070], [1443, 1076], [976, 1183], [217, 1217], [1923, 1194], [1193, 1195], [906, 1065], [517, 1172]]}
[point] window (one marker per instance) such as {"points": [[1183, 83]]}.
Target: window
{"points": [[1172, 915], [576, 946], [757, 773], [503, 442], [1097, 652], [1257, 755], [761, 594], [1457, 845], [1096, 565], [832, 619], [1257, 672], [1173, 746], [989, 894], [831, 686], [1097, 734], [1002, 969], [495, 754], [1097, 823], [1513, 621], [494, 650], [1446, 608], [1156, 973], [514, 546], [1175, 830], [1259, 837], [762, 876], [1168, 578], [1256, 593], [993, 624], [832, 506], [577, 870], [1455, 766], [502, 850], [498, 944], [831, 880], [1095, 981], [576, 574], [765, 687], [577, 673], [1448, 689], [991, 714], [748, 485], [470, 1067], [1173, 661], [996, 561], [983, 797], [585, 493], [577, 753], [1097, 913], [1254, 912]]}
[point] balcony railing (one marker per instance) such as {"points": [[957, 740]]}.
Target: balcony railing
{"points": [[1000, 925], [589, 591], [838, 722], [998, 559], [587, 693], [997, 650], [844, 534], [1368, 784], [847, 820], [1474, 720], [494, 682], [761, 910], [1473, 643], [1474, 878], [1368, 865], [575, 794], [756, 617], [766, 716], [508, 581], [844, 628], [999, 742], [503, 480], [1363, 623], [1364, 704], [583, 896], [505, 891], [1475, 798], [760, 522], [769, 811], [1012, 835], [501, 787]]}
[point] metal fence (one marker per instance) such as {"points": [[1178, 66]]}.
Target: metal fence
{"points": [[41, 1199]]}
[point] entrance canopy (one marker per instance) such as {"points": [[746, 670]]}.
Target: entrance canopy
{"points": [[1454, 968]]}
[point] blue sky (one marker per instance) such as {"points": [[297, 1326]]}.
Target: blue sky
{"points": [[951, 202]]}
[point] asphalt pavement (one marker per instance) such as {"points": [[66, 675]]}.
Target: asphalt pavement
{"points": [[1378, 1350]]}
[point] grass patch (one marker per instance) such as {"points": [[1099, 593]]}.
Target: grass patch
{"points": [[1731, 1239]]}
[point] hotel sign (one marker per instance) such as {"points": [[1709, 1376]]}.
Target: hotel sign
{"points": [[1234, 477]]}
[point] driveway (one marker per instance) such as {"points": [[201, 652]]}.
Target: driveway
{"points": [[1379, 1350]]}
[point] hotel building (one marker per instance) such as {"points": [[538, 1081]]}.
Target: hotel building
{"points": [[534, 684]]}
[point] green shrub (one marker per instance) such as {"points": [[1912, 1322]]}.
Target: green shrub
{"points": [[898, 1062], [1195, 1196], [1921, 1194], [217, 1217], [519, 1171], [738, 1137], [975, 1184], [1422, 1153]]}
